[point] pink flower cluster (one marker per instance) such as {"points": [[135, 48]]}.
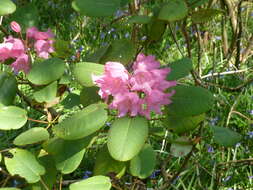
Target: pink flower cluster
{"points": [[15, 48], [140, 92]]}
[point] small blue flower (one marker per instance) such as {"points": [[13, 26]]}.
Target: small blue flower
{"points": [[102, 35], [217, 38], [227, 178], [108, 124], [251, 177], [251, 112], [119, 13], [154, 174], [237, 145], [250, 134], [230, 188], [210, 149], [87, 174], [127, 35], [214, 121], [251, 14], [143, 38]]}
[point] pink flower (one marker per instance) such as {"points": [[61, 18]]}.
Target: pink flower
{"points": [[11, 48], [34, 33], [43, 48], [30, 32], [15, 27], [126, 103], [21, 64], [141, 93]]}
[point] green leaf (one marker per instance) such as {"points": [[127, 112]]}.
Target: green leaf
{"points": [[96, 8], [9, 188], [143, 164], [225, 137], [0, 157], [179, 149], [179, 69], [105, 164], [33, 135], [124, 2], [122, 51], [204, 15], [71, 100], [156, 30], [181, 124], [139, 19], [7, 7], [190, 101], [12, 118], [24, 164], [96, 182], [62, 49], [67, 154], [83, 72], [47, 71], [46, 94], [196, 3], [173, 11], [126, 137], [96, 56], [27, 16], [8, 88], [89, 95], [82, 123]]}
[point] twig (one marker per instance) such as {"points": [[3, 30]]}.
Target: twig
{"points": [[38, 121], [239, 34], [240, 114], [175, 40], [223, 73], [44, 184], [236, 161]]}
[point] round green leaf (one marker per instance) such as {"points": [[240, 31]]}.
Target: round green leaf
{"points": [[47, 71], [8, 88], [105, 164], [143, 164], [96, 8], [96, 182], [182, 124], [204, 15], [173, 11], [27, 16], [24, 164], [71, 101], [122, 51], [181, 147], [179, 69], [83, 123], [190, 101], [89, 95], [139, 19], [225, 136], [12, 117], [126, 137], [31, 136], [7, 7], [67, 154], [46, 94], [83, 72]]}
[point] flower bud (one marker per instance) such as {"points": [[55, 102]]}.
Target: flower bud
{"points": [[15, 27]]}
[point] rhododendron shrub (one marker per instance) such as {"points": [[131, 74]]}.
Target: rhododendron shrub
{"points": [[18, 49], [136, 93]]}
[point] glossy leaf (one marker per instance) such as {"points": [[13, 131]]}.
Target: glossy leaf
{"points": [[33, 135], [190, 101], [225, 137], [204, 15], [122, 51], [67, 154], [89, 95], [156, 30], [179, 69], [47, 71], [96, 56], [7, 7], [126, 137], [24, 164], [83, 72], [71, 101], [105, 164], [143, 164], [174, 10], [181, 148], [8, 88], [82, 123], [12, 118], [96, 8], [182, 124], [27, 16], [62, 49], [139, 19], [96, 182], [46, 94]]}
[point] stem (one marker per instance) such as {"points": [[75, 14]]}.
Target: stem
{"points": [[38, 121]]}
